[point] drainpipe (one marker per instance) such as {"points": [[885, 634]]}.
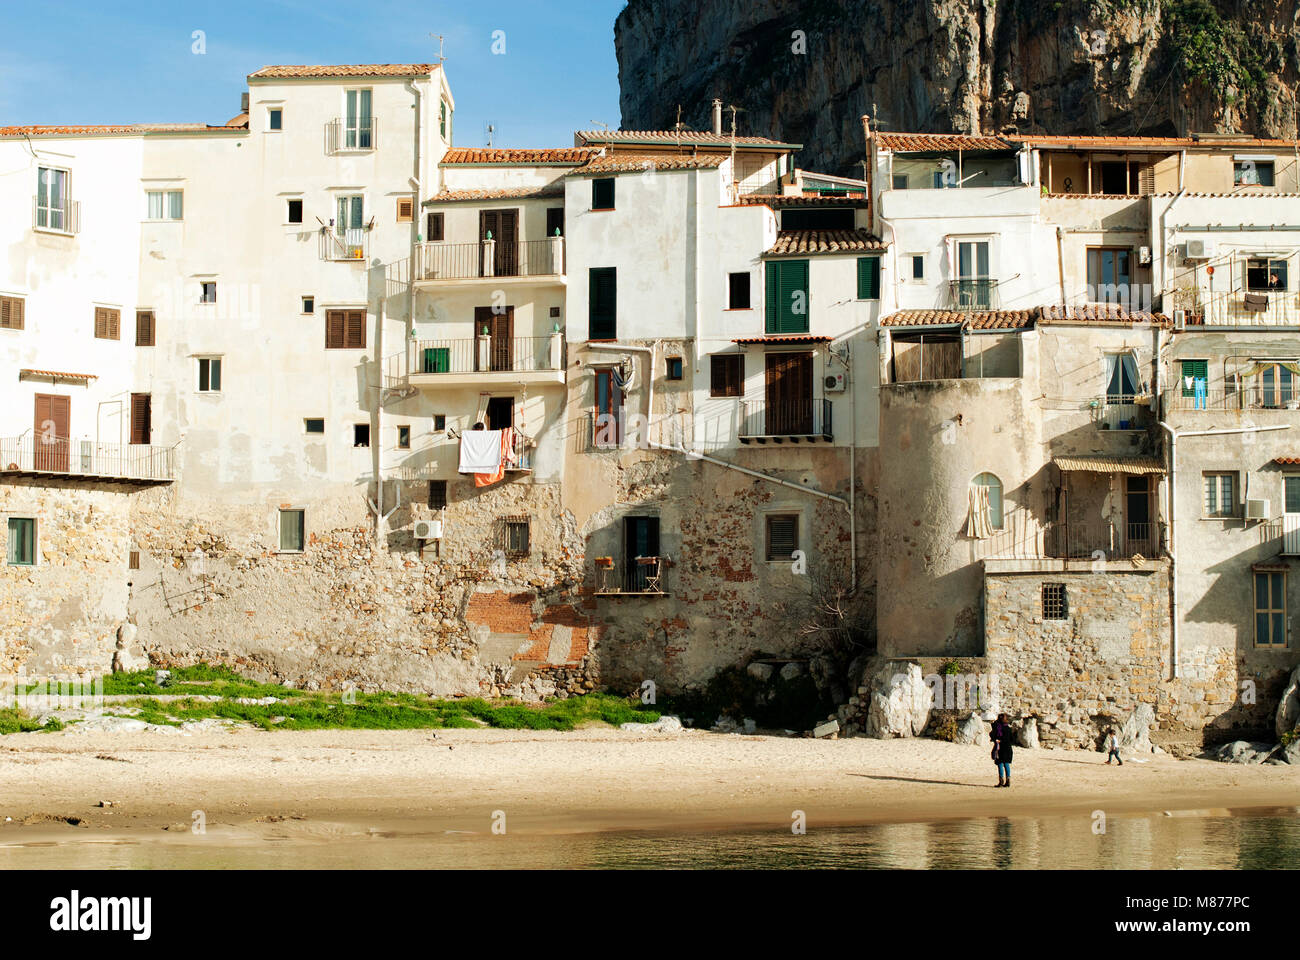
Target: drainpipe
{"points": [[1060, 266], [1173, 557]]}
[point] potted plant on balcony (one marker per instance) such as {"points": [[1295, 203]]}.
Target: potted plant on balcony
{"points": [[604, 563]]}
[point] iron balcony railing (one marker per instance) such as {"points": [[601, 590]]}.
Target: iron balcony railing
{"points": [[787, 419], [1245, 308], [484, 355], [63, 217], [637, 576], [489, 258], [360, 133], [1062, 541], [972, 294], [1120, 412], [1241, 393], [86, 458], [352, 244]]}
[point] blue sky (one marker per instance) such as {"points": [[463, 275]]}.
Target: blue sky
{"points": [[124, 61]]}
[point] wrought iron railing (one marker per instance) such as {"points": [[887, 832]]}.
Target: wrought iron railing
{"points": [[760, 419], [1244, 308], [638, 576], [972, 294], [1121, 412], [33, 453], [352, 244], [361, 133], [489, 258], [1241, 393], [482, 355], [64, 217]]}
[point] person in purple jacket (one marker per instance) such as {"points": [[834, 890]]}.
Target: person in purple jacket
{"points": [[1002, 737]]}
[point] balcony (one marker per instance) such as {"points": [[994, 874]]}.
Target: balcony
{"points": [[492, 260], [64, 217], [351, 245], [357, 135], [636, 577], [1023, 539], [1241, 308], [484, 360], [1121, 412], [1237, 394], [786, 420], [970, 295], [74, 458]]}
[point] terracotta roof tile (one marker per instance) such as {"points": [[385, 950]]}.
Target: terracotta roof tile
{"points": [[670, 138], [507, 193], [300, 71], [1137, 143], [790, 242], [978, 320], [136, 129], [921, 142], [56, 374], [1287, 461], [466, 155], [784, 338], [800, 200], [1101, 312], [640, 163]]}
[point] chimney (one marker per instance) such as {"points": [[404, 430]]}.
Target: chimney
{"points": [[717, 116], [243, 102]]}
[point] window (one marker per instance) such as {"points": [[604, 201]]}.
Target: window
{"points": [[1194, 370], [608, 425], [144, 328], [674, 369], [360, 434], [555, 221], [787, 296], [141, 417], [405, 209], [358, 125], [314, 425], [442, 119], [726, 374], [1270, 608], [433, 223], [1121, 377], [918, 267], [292, 531], [52, 199], [516, 536], [602, 194], [1265, 275], [1220, 494], [209, 374], [1054, 602], [439, 421], [308, 304], [351, 214], [21, 548], [782, 536], [988, 495], [738, 291], [404, 437], [345, 329], [11, 313], [868, 278], [275, 118], [208, 292], [294, 212], [973, 285], [1252, 173], [1276, 383], [165, 204], [133, 560], [1109, 274], [900, 181], [437, 494], [603, 304], [107, 323]]}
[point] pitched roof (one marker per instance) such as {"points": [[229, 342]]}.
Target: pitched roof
{"points": [[922, 142], [1287, 461], [304, 72], [640, 163], [685, 138], [977, 319], [776, 200], [789, 242], [524, 157], [1100, 312], [506, 193], [1136, 143], [1108, 464], [128, 129]]}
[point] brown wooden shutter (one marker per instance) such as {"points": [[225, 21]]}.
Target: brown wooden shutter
{"points": [[405, 209], [334, 329], [11, 312], [141, 418], [782, 536], [356, 329], [144, 328], [107, 324], [435, 228]]}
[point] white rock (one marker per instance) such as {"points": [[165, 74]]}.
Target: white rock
{"points": [[1027, 736], [973, 730], [792, 670], [900, 702], [665, 724], [826, 729], [761, 672], [1288, 708]]}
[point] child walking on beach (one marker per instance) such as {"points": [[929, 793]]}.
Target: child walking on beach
{"points": [[1002, 736], [1112, 745]]}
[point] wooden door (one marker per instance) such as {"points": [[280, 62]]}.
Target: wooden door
{"points": [[640, 540], [503, 225], [500, 329], [141, 418], [789, 394], [53, 415]]}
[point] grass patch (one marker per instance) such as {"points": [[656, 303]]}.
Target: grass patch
{"points": [[201, 678], [13, 720]]}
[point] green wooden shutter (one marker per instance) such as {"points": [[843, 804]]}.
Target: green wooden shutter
{"points": [[868, 278], [602, 308], [773, 274], [793, 282], [1194, 368]]}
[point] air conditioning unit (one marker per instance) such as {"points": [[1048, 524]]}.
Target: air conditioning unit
{"points": [[1198, 249], [1256, 509], [1180, 319], [1144, 255], [836, 383], [428, 530]]}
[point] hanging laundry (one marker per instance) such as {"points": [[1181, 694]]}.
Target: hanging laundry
{"points": [[480, 451]]}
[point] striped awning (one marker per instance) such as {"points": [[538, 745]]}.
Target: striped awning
{"points": [[1134, 465]]}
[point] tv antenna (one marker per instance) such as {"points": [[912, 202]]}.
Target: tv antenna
{"points": [[491, 131], [602, 124], [441, 46]]}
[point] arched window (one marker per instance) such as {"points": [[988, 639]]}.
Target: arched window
{"points": [[985, 506]]}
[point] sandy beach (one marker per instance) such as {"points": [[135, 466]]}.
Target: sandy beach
{"points": [[248, 782]]}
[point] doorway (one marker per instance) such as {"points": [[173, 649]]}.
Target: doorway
{"points": [[640, 554], [500, 329], [789, 394], [500, 413], [50, 432], [503, 226], [1137, 515]]}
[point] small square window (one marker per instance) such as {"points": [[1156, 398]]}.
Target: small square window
{"points": [[555, 312], [433, 227], [918, 266], [405, 209], [21, 549], [294, 211], [726, 374], [314, 425], [209, 374], [437, 494], [360, 434], [782, 536], [208, 291], [165, 204], [516, 536], [738, 291], [1252, 173], [1054, 602], [292, 531], [308, 304], [440, 421], [674, 371], [275, 119], [404, 437], [900, 181], [602, 194]]}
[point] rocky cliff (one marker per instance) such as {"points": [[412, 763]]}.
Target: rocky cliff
{"points": [[806, 70]]}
